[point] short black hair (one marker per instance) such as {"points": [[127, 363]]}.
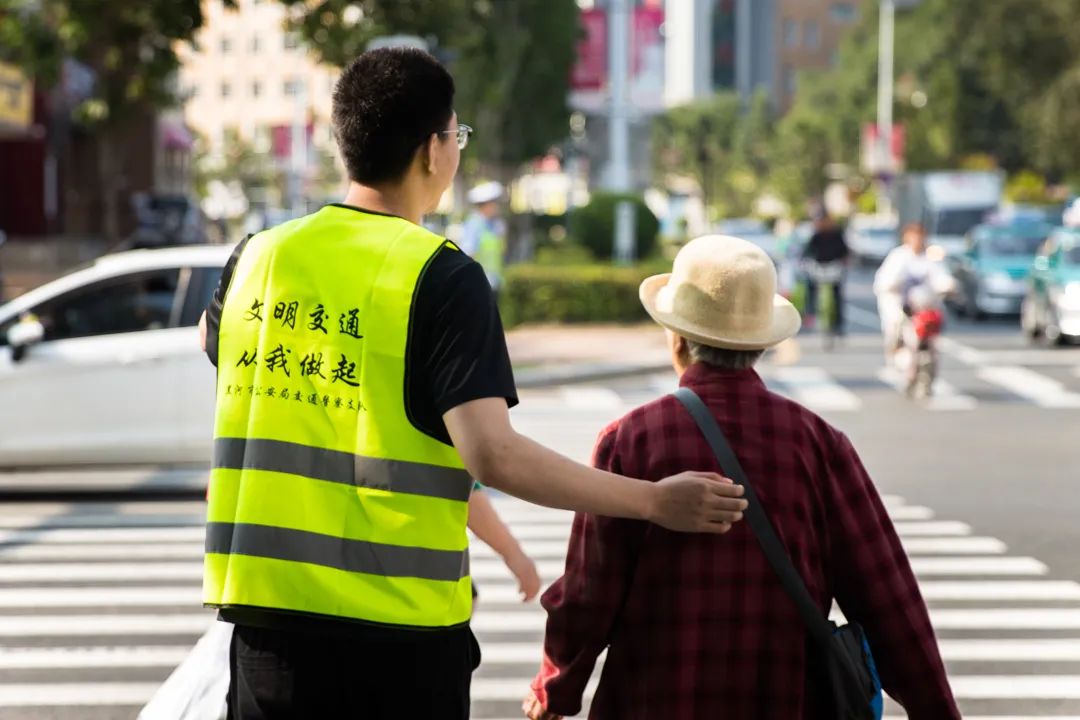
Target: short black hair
{"points": [[386, 103]]}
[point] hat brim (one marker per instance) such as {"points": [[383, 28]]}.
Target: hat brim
{"points": [[786, 322]]}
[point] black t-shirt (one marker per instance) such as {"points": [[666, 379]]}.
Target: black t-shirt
{"points": [[456, 353], [826, 246]]}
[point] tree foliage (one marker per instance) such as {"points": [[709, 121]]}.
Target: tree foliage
{"points": [[511, 60], [130, 47]]}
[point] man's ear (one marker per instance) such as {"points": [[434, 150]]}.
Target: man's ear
{"points": [[681, 348], [429, 155]]}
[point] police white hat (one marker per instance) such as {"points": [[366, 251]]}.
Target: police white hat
{"points": [[485, 193]]}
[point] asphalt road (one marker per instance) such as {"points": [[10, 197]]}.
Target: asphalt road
{"points": [[99, 595]]}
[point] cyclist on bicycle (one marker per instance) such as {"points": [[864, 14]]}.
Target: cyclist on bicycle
{"points": [[906, 267], [825, 259]]}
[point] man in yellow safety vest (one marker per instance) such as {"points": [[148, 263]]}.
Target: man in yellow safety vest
{"points": [[363, 383]]}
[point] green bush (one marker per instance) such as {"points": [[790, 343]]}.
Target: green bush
{"points": [[594, 225], [574, 293]]}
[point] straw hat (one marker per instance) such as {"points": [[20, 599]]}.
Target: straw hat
{"points": [[722, 293]]}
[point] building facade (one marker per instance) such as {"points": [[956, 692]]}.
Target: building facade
{"points": [[247, 74], [750, 45]]}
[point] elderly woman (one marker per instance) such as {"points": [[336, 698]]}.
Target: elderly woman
{"points": [[698, 626]]}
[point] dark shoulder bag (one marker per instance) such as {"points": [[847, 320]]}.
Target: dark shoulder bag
{"points": [[856, 689]]}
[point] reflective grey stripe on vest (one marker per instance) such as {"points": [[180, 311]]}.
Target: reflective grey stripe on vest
{"points": [[351, 555], [340, 467]]}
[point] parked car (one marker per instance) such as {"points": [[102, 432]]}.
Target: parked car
{"points": [[1051, 309], [103, 365], [870, 243], [992, 274]]}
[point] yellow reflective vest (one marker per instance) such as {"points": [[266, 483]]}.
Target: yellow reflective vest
{"points": [[324, 498]]}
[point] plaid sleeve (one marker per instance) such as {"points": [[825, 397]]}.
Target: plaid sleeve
{"points": [[876, 587], [583, 605]]}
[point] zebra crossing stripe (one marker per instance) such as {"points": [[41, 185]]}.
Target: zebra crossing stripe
{"points": [[1006, 619], [932, 529], [945, 396], [103, 571], [1030, 385], [94, 625], [167, 656], [99, 520], [1019, 650], [953, 546], [815, 388], [982, 590], [102, 535], [90, 694], [70, 597], [172, 551], [587, 397], [991, 566], [1016, 687]]}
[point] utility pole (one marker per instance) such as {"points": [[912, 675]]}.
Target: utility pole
{"points": [[298, 151], [619, 125], [886, 93]]}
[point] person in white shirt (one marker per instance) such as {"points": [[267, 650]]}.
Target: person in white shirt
{"points": [[906, 267]]}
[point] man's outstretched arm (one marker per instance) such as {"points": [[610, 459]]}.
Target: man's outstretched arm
{"points": [[497, 456]]}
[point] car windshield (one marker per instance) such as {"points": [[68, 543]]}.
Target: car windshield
{"points": [[959, 222], [1016, 242], [880, 233]]}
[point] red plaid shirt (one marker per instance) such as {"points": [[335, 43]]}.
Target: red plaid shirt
{"points": [[697, 626]]}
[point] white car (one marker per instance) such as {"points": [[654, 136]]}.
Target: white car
{"points": [[872, 243], [103, 366]]}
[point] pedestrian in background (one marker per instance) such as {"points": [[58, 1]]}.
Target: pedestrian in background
{"points": [[699, 627], [826, 256], [484, 235], [363, 383]]}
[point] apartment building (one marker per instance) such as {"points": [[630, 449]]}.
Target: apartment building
{"points": [[248, 74]]}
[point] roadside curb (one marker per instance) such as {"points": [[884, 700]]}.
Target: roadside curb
{"points": [[584, 372]]}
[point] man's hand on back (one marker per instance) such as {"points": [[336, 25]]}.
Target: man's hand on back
{"points": [[697, 502]]}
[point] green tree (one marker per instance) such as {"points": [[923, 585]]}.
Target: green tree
{"points": [[697, 140], [129, 46], [511, 62]]}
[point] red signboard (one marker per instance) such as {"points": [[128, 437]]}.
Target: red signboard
{"points": [[590, 71]]}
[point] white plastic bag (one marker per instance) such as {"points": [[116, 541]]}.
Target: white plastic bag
{"points": [[197, 688]]}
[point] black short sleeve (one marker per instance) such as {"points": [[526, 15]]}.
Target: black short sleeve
{"points": [[457, 348], [213, 310]]}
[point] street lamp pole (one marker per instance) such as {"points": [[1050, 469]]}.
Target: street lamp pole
{"points": [[619, 125], [886, 41]]}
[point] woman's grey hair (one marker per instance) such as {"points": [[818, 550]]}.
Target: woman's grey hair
{"points": [[721, 358]]}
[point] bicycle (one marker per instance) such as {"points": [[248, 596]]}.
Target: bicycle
{"points": [[822, 280]]}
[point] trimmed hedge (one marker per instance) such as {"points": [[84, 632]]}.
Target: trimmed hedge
{"points": [[574, 293], [594, 225]]}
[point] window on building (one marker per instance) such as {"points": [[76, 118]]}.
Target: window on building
{"points": [[791, 80], [791, 33], [256, 88], [292, 41], [256, 44], [812, 34], [226, 45], [844, 12], [291, 87], [226, 89]]}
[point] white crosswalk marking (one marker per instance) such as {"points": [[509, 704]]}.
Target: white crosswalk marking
{"points": [[973, 586], [945, 396], [815, 388], [81, 593], [1039, 389]]}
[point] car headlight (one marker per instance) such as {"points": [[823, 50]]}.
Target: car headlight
{"points": [[999, 282], [1069, 298]]}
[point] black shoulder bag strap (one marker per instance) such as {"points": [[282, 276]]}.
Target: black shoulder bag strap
{"points": [[820, 628]]}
